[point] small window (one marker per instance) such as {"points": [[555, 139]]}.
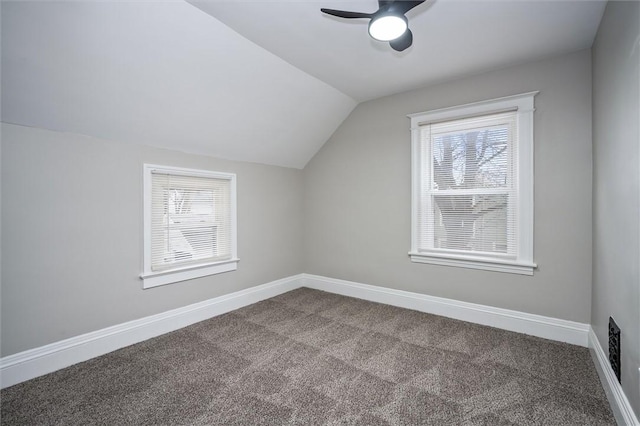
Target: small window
{"points": [[472, 178], [189, 224]]}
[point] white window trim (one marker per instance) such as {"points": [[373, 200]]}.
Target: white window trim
{"points": [[153, 279], [524, 105]]}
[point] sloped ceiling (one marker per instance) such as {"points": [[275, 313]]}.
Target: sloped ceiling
{"points": [[451, 38], [163, 74], [265, 81]]}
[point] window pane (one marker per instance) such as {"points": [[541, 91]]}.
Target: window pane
{"points": [[478, 158], [477, 223], [190, 220]]}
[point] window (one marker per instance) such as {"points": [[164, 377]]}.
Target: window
{"points": [[472, 185], [189, 224]]}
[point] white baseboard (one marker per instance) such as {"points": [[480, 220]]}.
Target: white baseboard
{"points": [[622, 410], [46, 359], [536, 325]]}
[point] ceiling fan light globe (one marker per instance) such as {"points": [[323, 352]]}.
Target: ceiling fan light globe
{"points": [[387, 27]]}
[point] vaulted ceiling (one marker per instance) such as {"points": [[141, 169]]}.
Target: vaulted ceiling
{"points": [[266, 81]]}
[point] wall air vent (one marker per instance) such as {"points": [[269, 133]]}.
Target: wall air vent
{"points": [[614, 347]]}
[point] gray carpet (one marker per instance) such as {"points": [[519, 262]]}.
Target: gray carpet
{"points": [[309, 357]]}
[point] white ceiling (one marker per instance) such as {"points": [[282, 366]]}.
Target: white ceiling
{"points": [[163, 74], [266, 81], [451, 38]]}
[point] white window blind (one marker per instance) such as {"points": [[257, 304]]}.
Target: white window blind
{"points": [[190, 220], [469, 194]]}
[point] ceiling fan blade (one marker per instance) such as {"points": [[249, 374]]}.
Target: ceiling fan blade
{"points": [[402, 42], [346, 14], [403, 7]]}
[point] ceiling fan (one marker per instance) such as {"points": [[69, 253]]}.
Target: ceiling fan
{"points": [[388, 23]]}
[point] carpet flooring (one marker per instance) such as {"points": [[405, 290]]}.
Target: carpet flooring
{"points": [[310, 357]]}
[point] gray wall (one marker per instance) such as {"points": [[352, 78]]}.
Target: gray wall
{"points": [[72, 234], [616, 185], [357, 194]]}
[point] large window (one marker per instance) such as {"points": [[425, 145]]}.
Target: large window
{"points": [[472, 195], [189, 224]]}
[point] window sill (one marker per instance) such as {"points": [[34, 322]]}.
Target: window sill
{"points": [[471, 262], [155, 279]]}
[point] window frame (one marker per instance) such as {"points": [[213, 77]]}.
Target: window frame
{"points": [[152, 278], [523, 105]]}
